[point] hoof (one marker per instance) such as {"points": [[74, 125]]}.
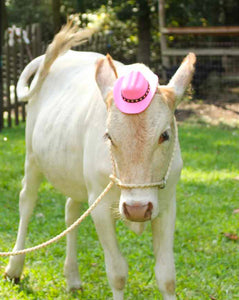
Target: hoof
{"points": [[74, 286], [15, 280], [76, 289]]}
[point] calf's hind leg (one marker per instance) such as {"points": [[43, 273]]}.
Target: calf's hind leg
{"points": [[27, 201], [72, 213]]}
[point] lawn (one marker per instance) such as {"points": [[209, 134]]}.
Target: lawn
{"points": [[206, 255]]}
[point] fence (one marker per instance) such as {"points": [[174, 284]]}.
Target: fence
{"points": [[217, 69], [19, 47], [217, 50]]}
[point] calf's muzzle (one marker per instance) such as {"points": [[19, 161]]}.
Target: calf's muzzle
{"points": [[138, 212]]}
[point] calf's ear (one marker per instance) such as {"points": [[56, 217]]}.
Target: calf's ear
{"points": [[105, 75], [182, 78]]}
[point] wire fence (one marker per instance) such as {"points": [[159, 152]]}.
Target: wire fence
{"points": [[216, 76]]}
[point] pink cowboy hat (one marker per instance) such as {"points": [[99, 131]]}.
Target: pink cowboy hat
{"points": [[133, 92]]}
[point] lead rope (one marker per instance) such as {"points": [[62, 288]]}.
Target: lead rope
{"points": [[114, 180], [66, 231]]}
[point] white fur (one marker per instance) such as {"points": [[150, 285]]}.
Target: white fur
{"points": [[67, 119]]}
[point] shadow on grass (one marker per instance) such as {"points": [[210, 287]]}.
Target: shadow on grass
{"points": [[21, 286], [24, 288]]}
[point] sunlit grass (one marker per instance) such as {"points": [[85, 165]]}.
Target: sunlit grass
{"points": [[206, 261]]}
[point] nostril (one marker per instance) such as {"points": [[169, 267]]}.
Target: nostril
{"points": [[148, 212], [150, 206], [125, 210]]}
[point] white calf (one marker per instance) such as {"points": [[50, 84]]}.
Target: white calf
{"points": [[71, 108]]}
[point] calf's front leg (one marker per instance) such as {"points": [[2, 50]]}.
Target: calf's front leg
{"points": [[163, 236], [116, 266]]}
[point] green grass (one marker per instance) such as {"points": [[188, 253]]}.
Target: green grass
{"points": [[206, 261]]}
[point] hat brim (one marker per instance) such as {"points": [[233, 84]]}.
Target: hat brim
{"points": [[138, 107]]}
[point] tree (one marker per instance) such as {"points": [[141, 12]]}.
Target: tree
{"points": [[4, 20], [140, 12], [208, 13], [56, 5], [144, 33], [3, 24]]}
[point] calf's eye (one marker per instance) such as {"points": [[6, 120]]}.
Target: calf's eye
{"points": [[163, 137], [108, 137]]}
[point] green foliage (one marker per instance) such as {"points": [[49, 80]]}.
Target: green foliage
{"points": [[124, 48], [208, 12], [123, 21], [206, 261], [26, 12], [179, 13]]}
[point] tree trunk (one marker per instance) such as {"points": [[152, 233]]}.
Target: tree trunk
{"points": [[4, 21], [56, 4], [144, 36], [80, 6]]}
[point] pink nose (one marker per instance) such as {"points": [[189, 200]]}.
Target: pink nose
{"points": [[138, 212]]}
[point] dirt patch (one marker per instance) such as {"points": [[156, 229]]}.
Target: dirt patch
{"points": [[214, 114]]}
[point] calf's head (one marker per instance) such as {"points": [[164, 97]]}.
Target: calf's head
{"points": [[142, 143]]}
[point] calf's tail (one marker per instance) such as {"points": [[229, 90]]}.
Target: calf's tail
{"points": [[69, 36]]}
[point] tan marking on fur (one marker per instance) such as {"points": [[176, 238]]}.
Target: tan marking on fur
{"points": [[109, 100], [191, 57], [170, 287], [99, 64], [111, 63], [135, 144], [119, 282], [133, 141], [138, 122], [168, 96]]}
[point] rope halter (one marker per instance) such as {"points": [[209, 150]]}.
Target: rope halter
{"points": [[160, 184]]}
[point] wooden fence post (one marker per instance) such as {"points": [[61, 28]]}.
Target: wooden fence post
{"points": [[2, 27], [1, 90], [14, 77], [163, 41], [21, 67], [8, 81]]}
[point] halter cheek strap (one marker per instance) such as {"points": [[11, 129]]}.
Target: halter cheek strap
{"points": [[160, 184]]}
